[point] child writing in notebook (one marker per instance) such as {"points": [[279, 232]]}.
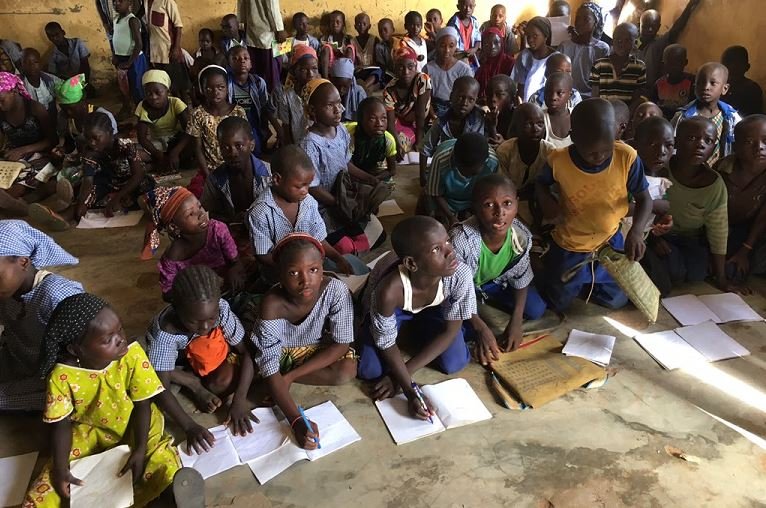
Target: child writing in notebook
{"points": [[305, 329], [100, 394], [423, 281], [215, 362]]}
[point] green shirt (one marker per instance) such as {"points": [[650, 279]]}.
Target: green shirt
{"points": [[491, 265]]}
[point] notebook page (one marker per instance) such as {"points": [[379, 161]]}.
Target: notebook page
{"points": [[218, 459], [590, 346], [99, 475], [267, 436], [15, 473], [456, 403], [669, 349], [730, 307], [335, 432], [689, 310], [403, 427], [272, 464], [711, 341]]}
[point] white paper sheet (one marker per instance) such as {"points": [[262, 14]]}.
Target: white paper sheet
{"points": [[712, 342], [403, 427], [272, 464], [268, 435], [373, 230], [389, 207], [99, 475], [591, 346], [456, 403], [730, 307], [97, 220], [670, 350], [374, 262], [689, 310], [15, 473], [559, 29], [354, 282], [218, 459]]}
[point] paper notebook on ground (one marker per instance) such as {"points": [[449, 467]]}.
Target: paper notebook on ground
{"points": [[15, 473], [97, 220], [718, 308], [591, 346], [99, 476], [690, 345], [454, 402], [389, 207]]}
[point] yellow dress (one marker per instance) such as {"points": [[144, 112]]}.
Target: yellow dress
{"points": [[99, 403]]}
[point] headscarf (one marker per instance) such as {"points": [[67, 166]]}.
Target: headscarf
{"points": [[598, 29], [542, 24], [344, 68], [17, 238], [404, 52], [71, 91], [292, 237], [302, 51], [67, 324], [501, 64], [450, 31], [163, 203], [156, 76], [11, 83], [201, 74], [310, 88]]}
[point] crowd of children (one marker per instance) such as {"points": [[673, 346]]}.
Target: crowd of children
{"points": [[529, 155]]}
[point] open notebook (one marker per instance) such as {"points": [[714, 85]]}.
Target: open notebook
{"points": [[271, 447], [718, 308], [99, 474], [690, 345], [455, 404]]}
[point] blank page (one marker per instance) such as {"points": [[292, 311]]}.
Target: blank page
{"points": [[15, 473], [403, 427], [591, 346], [267, 436], [456, 403], [218, 459], [730, 307], [335, 432], [99, 475], [712, 342], [689, 310], [670, 350]]}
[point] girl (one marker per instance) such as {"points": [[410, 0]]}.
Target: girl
{"points": [[304, 67], [445, 69], [336, 44], [75, 108], [342, 76], [305, 329], [202, 326], [29, 134], [407, 98], [214, 84], [413, 23], [162, 121], [196, 239], [100, 392], [28, 295], [371, 143], [494, 59], [128, 59], [584, 48], [529, 69]]}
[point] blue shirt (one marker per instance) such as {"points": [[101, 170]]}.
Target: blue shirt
{"points": [[446, 181]]}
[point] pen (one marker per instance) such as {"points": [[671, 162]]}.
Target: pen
{"points": [[308, 425], [419, 394]]}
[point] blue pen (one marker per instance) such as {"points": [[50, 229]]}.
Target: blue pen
{"points": [[308, 426], [422, 400]]}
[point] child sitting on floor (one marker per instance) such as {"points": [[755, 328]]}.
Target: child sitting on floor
{"points": [[215, 361], [305, 329], [744, 94], [558, 90], [351, 94], [40, 85], [495, 246], [620, 75], [423, 281], [28, 295], [500, 100], [493, 59], [557, 62], [413, 24], [372, 145], [529, 70], [336, 44], [584, 49], [445, 69], [594, 176], [70, 56], [676, 87], [100, 394], [304, 67]]}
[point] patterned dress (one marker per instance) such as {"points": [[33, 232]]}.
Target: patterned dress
{"points": [[204, 125], [404, 107], [99, 403], [111, 172]]}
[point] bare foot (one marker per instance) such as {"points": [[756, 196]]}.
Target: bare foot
{"points": [[206, 400]]}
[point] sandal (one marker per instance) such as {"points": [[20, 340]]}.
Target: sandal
{"points": [[48, 218], [189, 488]]}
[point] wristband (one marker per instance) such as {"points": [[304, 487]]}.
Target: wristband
{"points": [[297, 418]]}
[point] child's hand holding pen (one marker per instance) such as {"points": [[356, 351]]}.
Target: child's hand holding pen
{"points": [[306, 433], [419, 405]]}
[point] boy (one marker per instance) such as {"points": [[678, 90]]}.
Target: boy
{"points": [[712, 83], [559, 8], [467, 26], [651, 45], [557, 62], [501, 91], [642, 112], [620, 75], [69, 57], [232, 35], [424, 282], [302, 35], [457, 165], [497, 19], [462, 117], [164, 26], [744, 94], [249, 91], [675, 88], [594, 176], [413, 23], [40, 85], [364, 45], [432, 26], [621, 118], [287, 207], [384, 48], [558, 90]]}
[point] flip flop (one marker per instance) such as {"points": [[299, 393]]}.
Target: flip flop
{"points": [[64, 195], [189, 488], [48, 218]]}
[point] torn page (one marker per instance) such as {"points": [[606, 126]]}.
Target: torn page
{"points": [[218, 459], [15, 473], [99, 475], [712, 342], [591, 346]]}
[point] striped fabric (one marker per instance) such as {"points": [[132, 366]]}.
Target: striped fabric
{"points": [[603, 76]]}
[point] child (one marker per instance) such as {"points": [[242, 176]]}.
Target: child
{"points": [[457, 165], [558, 90], [364, 43], [371, 144], [207, 48], [12, 51], [467, 27], [501, 92], [407, 98], [288, 207], [584, 49], [213, 81], [621, 118], [40, 85], [75, 108], [413, 23], [69, 57], [249, 92], [232, 36], [216, 363], [304, 331], [559, 8], [87, 357], [432, 26], [676, 87], [336, 44], [421, 281], [445, 69], [304, 67], [642, 112], [529, 69], [28, 295], [712, 83], [557, 62], [744, 173], [495, 245], [744, 94], [594, 176], [698, 203], [384, 49], [162, 122], [302, 37], [351, 94], [497, 19], [128, 58], [493, 59], [462, 117], [620, 75]]}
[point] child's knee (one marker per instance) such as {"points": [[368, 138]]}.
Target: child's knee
{"points": [[369, 366], [535, 307], [456, 357]]}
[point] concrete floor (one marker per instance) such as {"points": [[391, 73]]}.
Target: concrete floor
{"points": [[603, 447]]}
